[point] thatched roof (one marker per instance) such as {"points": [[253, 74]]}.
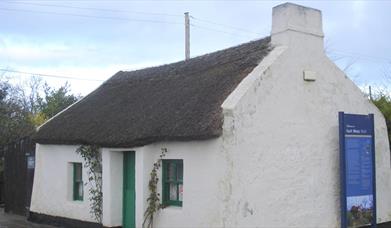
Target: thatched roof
{"points": [[179, 101]]}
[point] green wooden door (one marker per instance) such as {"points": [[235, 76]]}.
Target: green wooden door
{"points": [[129, 196]]}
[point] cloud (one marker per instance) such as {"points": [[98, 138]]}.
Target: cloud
{"points": [[80, 60], [23, 51], [34, 53], [359, 13]]}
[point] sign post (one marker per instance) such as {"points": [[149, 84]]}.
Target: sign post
{"points": [[358, 176]]}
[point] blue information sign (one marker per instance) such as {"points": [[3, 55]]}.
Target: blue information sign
{"points": [[358, 178]]}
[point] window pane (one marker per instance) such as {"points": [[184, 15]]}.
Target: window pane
{"points": [[171, 171], [78, 173], [173, 192], [180, 171], [80, 190], [180, 192]]}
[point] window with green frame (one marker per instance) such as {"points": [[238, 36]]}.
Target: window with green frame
{"points": [[77, 181], [172, 182]]}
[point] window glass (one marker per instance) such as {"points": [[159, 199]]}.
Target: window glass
{"points": [[78, 175], [80, 190], [173, 192], [180, 192], [180, 171], [171, 171]]}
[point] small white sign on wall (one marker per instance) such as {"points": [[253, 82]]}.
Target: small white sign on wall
{"points": [[309, 75]]}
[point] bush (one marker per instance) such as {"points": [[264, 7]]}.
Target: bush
{"points": [[383, 103]]}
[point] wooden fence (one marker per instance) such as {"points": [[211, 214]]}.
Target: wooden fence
{"points": [[19, 163]]}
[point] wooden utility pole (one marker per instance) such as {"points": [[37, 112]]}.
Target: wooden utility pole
{"points": [[187, 36]]}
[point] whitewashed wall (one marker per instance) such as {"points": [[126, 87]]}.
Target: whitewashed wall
{"points": [[201, 165], [52, 190], [53, 178], [112, 186]]}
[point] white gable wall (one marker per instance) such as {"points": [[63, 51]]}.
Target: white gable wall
{"points": [[283, 142]]}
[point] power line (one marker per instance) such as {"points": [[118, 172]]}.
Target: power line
{"points": [[216, 30], [128, 11], [362, 56], [96, 9], [51, 75], [135, 12], [91, 16], [121, 18], [224, 25]]}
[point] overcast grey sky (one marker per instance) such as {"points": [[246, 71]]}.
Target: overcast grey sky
{"points": [[95, 39]]}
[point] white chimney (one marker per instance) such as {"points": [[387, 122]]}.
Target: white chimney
{"points": [[297, 25]]}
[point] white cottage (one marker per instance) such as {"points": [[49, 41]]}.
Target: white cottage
{"points": [[251, 133]]}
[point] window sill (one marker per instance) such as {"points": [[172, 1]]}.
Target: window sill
{"points": [[172, 208], [175, 206]]}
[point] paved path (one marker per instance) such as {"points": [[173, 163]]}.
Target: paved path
{"points": [[17, 221]]}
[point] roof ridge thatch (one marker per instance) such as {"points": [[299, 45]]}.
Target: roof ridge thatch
{"points": [[202, 56]]}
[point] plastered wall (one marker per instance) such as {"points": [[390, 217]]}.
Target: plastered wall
{"points": [[52, 189]]}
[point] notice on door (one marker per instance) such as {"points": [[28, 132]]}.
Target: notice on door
{"points": [[358, 198]]}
